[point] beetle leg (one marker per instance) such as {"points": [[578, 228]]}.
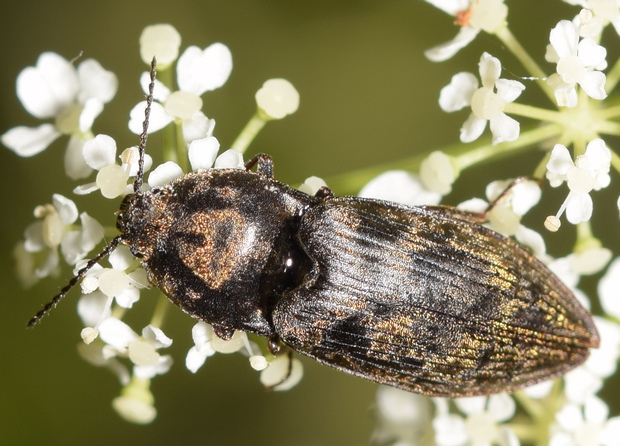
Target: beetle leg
{"points": [[506, 191], [482, 217], [324, 192], [274, 344], [223, 332], [263, 163]]}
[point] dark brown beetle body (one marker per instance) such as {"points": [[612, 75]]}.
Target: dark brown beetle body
{"points": [[421, 298]]}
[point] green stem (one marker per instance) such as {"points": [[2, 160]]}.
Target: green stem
{"points": [[169, 149], [181, 147], [609, 112], [249, 132], [613, 76], [170, 143], [352, 182], [161, 308], [532, 112], [526, 60], [609, 127], [526, 140]]}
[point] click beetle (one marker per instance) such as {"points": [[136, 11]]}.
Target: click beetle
{"points": [[420, 298]]}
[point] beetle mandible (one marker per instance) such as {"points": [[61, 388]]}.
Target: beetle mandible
{"points": [[420, 298]]}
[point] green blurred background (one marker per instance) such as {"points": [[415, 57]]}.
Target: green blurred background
{"points": [[367, 96]]}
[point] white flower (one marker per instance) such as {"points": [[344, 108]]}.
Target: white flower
{"points": [[481, 424], [597, 15], [122, 341], [100, 153], [578, 62], [200, 154], [103, 286], [438, 172], [283, 373], [312, 185], [161, 41], [505, 216], [72, 97], [587, 425], [588, 172], [487, 102], [609, 289], [277, 98], [56, 229], [472, 16], [202, 333], [404, 417], [198, 71], [400, 186], [136, 403]]}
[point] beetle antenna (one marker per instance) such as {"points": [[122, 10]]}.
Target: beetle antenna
{"points": [[80, 274], [137, 184]]}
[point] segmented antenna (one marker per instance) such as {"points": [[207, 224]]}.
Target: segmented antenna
{"points": [[137, 187], [81, 273], [137, 183]]}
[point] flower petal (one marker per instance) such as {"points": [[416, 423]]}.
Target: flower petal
{"points": [[116, 333], [162, 41], [93, 307], [92, 108], [96, 82], [509, 90], [504, 128], [490, 69], [560, 160], [446, 50], [452, 7], [472, 128], [46, 89], [99, 151], [199, 70], [230, 159], [400, 186], [564, 38], [66, 208], [579, 207], [591, 54], [158, 118], [608, 288], [198, 127], [28, 141], [593, 83], [75, 166], [202, 152], [164, 174], [457, 94], [160, 91]]}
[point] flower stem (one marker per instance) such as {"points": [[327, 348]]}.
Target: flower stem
{"points": [[526, 60], [161, 308], [181, 147], [352, 182], [613, 77], [169, 149], [529, 111], [527, 140], [249, 132]]}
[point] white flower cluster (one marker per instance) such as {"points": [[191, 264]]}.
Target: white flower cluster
{"points": [[569, 412], [73, 98]]}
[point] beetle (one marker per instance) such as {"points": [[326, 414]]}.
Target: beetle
{"points": [[421, 298]]}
